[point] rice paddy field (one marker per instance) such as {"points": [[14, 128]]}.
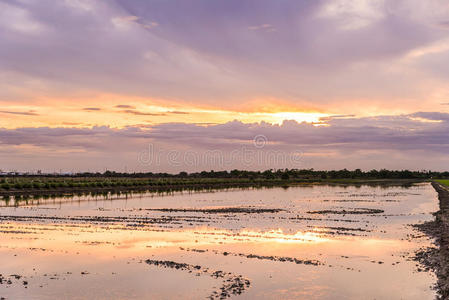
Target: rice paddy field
{"points": [[298, 242]]}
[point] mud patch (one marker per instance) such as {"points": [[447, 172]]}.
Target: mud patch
{"points": [[245, 210], [437, 258], [262, 257], [232, 284], [352, 211], [13, 279]]}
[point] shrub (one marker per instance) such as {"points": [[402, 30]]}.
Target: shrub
{"points": [[5, 186]]}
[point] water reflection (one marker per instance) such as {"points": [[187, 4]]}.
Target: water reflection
{"points": [[272, 240]]}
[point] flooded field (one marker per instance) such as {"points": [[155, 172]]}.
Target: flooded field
{"points": [[308, 242]]}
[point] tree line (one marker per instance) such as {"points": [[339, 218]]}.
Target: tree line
{"points": [[274, 174]]}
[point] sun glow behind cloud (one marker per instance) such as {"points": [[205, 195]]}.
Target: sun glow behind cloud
{"points": [[136, 113], [308, 117]]}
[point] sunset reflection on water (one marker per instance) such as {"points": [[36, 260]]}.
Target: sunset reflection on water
{"points": [[290, 253]]}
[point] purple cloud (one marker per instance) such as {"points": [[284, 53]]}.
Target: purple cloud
{"points": [[350, 142], [201, 51]]}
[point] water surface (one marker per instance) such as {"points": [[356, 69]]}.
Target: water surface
{"points": [[308, 242]]}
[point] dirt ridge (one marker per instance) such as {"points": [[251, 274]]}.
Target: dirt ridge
{"points": [[437, 258]]}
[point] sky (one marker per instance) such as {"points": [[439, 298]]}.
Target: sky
{"points": [[168, 86]]}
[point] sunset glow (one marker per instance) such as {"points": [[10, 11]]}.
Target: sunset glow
{"points": [[207, 149], [343, 77]]}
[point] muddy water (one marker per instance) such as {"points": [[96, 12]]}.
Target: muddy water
{"points": [[316, 242]]}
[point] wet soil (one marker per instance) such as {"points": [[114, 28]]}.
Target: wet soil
{"points": [[437, 258], [261, 257], [354, 211], [246, 210], [232, 284]]}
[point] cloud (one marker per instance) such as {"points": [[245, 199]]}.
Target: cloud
{"points": [[17, 19], [434, 116], [345, 142], [24, 113], [354, 14], [346, 58], [204, 54], [177, 112], [263, 27], [122, 22], [140, 113], [125, 106], [73, 124], [444, 24]]}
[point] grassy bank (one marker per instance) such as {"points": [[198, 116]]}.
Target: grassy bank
{"points": [[443, 181]]}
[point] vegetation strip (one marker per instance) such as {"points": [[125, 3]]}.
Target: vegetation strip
{"points": [[13, 184]]}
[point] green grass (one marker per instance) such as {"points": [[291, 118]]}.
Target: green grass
{"points": [[443, 181]]}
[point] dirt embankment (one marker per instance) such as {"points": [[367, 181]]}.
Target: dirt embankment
{"points": [[437, 258]]}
